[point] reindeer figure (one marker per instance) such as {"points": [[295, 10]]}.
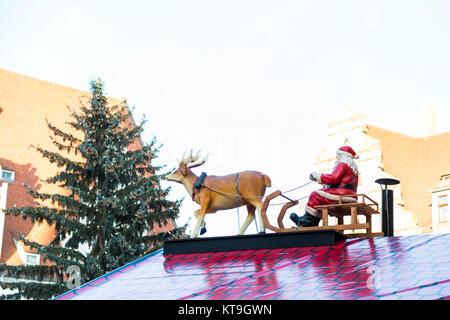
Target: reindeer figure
{"points": [[219, 192]]}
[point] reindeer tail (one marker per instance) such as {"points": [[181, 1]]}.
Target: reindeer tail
{"points": [[267, 181]]}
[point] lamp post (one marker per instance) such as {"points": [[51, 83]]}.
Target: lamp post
{"points": [[387, 205]]}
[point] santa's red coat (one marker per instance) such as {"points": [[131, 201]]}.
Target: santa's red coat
{"points": [[338, 184]]}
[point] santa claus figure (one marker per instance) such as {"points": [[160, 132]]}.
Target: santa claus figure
{"points": [[342, 181]]}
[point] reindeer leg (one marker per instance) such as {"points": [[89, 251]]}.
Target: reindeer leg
{"points": [[203, 226], [249, 219], [200, 221], [258, 205], [200, 214]]}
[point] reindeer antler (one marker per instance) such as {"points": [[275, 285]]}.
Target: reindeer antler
{"points": [[196, 162], [191, 161], [183, 159]]}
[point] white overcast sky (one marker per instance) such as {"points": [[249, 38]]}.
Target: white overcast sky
{"points": [[252, 83]]}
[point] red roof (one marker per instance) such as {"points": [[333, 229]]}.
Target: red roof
{"points": [[418, 163], [408, 267]]}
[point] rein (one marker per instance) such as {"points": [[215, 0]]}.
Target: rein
{"points": [[259, 197]]}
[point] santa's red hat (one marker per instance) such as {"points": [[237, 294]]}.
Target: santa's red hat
{"points": [[346, 150]]}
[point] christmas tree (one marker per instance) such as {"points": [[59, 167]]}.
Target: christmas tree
{"points": [[111, 200]]}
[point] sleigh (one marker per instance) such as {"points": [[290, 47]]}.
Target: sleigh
{"points": [[285, 237], [362, 207]]}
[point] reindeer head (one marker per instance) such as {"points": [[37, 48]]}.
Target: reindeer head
{"points": [[186, 163]]}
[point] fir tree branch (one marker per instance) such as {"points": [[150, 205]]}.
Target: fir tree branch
{"points": [[33, 290], [34, 272]]}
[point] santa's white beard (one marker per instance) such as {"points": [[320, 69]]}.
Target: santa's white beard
{"points": [[348, 161]]}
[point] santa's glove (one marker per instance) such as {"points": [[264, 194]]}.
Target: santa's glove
{"points": [[315, 176]]}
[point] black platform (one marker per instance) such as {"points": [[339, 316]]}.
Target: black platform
{"points": [[253, 242]]}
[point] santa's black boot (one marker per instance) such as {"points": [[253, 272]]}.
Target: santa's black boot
{"points": [[307, 220]]}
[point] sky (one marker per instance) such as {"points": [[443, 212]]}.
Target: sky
{"points": [[251, 83]]}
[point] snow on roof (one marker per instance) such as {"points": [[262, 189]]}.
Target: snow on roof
{"points": [[407, 267]]}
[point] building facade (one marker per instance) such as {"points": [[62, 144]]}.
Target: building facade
{"points": [[440, 213]]}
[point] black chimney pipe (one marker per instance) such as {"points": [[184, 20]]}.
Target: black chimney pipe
{"points": [[387, 205]]}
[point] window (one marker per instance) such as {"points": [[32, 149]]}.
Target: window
{"points": [[443, 208], [7, 176], [32, 259]]}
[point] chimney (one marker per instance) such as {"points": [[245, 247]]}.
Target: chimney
{"points": [[387, 205], [429, 120]]}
